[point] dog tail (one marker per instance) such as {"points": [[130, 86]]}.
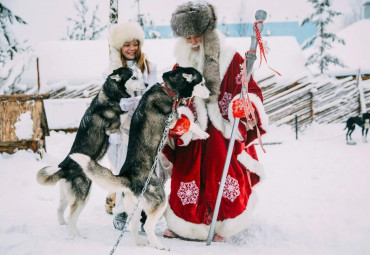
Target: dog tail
{"points": [[100, 175], [49, 175]]}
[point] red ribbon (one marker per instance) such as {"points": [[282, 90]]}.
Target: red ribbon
{"points": [[248, 108], [260, 44]]}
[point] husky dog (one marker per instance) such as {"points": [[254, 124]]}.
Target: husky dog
{"points": [[363, 122], [146, 131], [101, 118]]}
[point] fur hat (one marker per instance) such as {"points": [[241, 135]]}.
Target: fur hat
{"points": [[193, 19], [125, 32], [199, 18]]}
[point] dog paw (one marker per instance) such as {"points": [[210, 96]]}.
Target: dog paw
{"points": [[62, 222], [162, 247], [141, 241]]}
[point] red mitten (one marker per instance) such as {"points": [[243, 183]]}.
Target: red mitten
{"points": [[238, 109], [181, 127]]}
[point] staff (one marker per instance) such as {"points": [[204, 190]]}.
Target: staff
{"points": [[251, 57]]}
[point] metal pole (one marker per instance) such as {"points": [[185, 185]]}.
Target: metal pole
{"points": [[260, 16]]}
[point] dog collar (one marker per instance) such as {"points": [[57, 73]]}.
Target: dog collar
{"points": [[173, 95], [170, 92]]}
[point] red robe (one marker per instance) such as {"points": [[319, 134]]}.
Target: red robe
{"points": [[198, 165]]}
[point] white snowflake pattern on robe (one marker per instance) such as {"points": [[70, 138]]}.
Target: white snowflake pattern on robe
{"points": [[224, 103], [188, 193], [231, 189]]}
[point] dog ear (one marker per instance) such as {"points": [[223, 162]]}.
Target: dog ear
{"points": [[188, 77]]}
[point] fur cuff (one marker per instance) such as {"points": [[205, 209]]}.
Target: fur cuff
{"points": [[252, 165], [195, 132]]}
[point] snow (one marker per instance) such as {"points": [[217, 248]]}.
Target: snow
{"points": [[314, 202], [24, 126], [353, 54]]}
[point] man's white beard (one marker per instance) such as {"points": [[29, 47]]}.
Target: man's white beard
{"points": [[196, 58], [187, 57]]}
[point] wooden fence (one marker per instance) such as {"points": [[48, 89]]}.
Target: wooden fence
{"points": [[322, 99]]}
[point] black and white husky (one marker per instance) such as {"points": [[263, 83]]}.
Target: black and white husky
{"points": [[146, 131], [100, 119]]}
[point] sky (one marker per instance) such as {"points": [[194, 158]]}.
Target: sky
{"points": [[47, 18]]}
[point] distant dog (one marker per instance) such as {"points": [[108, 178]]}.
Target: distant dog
{"points": [[146, 131], [363, 122], [100, 119]]}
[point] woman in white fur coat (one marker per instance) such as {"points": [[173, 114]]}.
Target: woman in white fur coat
{"points": [[126, 41]]}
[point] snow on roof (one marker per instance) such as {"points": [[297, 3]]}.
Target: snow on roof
{"points": [[73, 61], [354, 53], [78, 62]]}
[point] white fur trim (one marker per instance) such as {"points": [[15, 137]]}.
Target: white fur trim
{"points": [[220, 123], [183, 228], [251, 164], [224, 228], [183, 110], [194, 132], [263, 118], [201, 110], [226, 55], [233, 226], [187, 137], [125, 32]]}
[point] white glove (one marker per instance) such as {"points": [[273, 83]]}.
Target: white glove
{"points": [[115, 138], [127, 104]]}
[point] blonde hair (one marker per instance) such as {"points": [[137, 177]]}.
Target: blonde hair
{"points": [[139, 58]]}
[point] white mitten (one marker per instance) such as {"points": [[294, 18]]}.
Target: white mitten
{"points": [[127, 104], [115, 138]]}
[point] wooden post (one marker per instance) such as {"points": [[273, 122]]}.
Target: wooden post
{"points": [[296, 127], [38, 75], [361, 93]]}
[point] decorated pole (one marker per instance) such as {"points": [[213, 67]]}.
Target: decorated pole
{"points": [[250, 58], [113, 12]]}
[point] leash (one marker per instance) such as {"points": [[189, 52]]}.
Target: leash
{"points": [[160, 147]]}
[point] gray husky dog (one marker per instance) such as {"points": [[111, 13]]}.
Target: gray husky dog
{"points": [[100, 119], [146, 131]]}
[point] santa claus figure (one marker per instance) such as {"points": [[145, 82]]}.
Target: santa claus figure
{"points": [[197, 164]]}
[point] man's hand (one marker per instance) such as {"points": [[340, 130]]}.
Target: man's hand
{"points": [[181, 127], [238, 109]]}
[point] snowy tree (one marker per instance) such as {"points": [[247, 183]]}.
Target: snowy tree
{"points": [[10, 48], [323, 40], [145, 20], [85, 26], [355, 12]]}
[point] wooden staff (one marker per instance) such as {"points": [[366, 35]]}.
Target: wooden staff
{"points": [[251, 57]]}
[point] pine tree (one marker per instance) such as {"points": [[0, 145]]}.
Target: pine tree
{"points": [[11, 69], [82, 27], [322, 41], [9, 45]]}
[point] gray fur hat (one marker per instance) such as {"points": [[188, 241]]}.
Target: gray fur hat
{"points": [[199, 18], [193, 18]]}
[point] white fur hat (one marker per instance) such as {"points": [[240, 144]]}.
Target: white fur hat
{"points": [[125, 32]]}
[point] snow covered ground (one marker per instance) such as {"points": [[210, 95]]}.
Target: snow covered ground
{"points": [[315, 200]]}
